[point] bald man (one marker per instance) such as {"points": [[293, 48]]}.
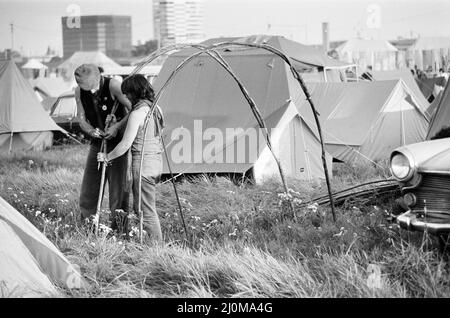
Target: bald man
{"points": [[95, 97]]}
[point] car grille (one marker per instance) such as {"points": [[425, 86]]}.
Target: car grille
{"points": [[433, 198]]}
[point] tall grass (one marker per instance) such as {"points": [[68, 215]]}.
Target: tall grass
{"points": [[244, 244]]}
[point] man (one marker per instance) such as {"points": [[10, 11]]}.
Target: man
{"points": [[95, 97]]}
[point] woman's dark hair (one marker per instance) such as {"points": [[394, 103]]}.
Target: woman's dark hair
{"points": [[138, 86]]}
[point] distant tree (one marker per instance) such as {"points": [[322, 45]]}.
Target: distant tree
{"points": [[15, 55], [145, 49]]}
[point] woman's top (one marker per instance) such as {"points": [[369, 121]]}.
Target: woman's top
{"points": [[153, 144]]}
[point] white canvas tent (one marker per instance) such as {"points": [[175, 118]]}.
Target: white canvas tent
{"points": [[24, 124], [51, 86], [67, 68], [366, 120], [211, 128], [30, 265], [406, 76], [34, 69], [378, 54]]}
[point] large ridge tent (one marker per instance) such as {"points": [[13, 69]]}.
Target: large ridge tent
{"points": [[311, 62], [211, 128], [30, 265], [441, 117], [67, 68], [378, 54], [24, 124], [408, 79], [366, 120]]}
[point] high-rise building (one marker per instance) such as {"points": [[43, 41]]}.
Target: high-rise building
{"points": [[110, 34], [178, 21]]}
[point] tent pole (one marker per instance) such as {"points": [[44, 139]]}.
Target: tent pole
{"points": [[10, 142]]}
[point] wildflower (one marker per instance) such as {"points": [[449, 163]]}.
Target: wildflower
{"points": [[9, 188], [374, 277], [92, 244], [57, 195], [285, 196], [230, 192], [25, 205], [341, 232], [15, 195], [104, 229], [51, 210], [294, 192], [37, 213], [21, 192], [297, 201], [313, 207]]}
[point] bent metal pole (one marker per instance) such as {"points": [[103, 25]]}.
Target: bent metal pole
{"points": [[255, 110]]}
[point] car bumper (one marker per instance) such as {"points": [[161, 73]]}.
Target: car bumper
{"points": [[409, 221]]}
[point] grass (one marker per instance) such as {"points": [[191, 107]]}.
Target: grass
{"points": [[244, 242]]}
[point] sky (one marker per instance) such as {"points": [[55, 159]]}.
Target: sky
{"points": [[37, 23]]}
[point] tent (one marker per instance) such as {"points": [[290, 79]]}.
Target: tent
{"points": [[34, 65], [34, 69], [366, 119], [24, 124], [406, 76], [441, 118], [30, 265], [308, 60], [211, 129], [378, 54], [431, 87], [50, 86], [434, 104], [67, 68]]}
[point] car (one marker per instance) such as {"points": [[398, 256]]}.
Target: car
{"points": [[423, 171], [64, 112]]}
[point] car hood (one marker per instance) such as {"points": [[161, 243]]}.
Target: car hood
{"points": [[429, 156]]}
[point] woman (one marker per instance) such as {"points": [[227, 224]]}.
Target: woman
{"points": [[138, 90]]}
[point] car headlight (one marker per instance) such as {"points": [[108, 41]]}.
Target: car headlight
{"points": [[400, 166]]}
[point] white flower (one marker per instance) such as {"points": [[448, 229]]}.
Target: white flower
{"points": [[233, 233]]}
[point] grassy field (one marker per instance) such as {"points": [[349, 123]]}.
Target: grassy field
{"points": [[242, 240]]}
